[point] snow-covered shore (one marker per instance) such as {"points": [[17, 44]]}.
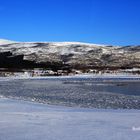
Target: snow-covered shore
{"points": [[21, 120], [93, 76]]}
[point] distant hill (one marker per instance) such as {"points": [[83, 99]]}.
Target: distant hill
{"points": [[67, 55]]}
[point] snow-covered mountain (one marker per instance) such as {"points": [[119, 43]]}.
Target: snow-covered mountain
{"points": [[73, 54]]}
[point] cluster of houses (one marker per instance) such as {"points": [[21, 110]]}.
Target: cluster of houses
{"points": [[42, 72]]}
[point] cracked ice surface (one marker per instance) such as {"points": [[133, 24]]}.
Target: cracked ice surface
{"points": [[79, 92]]}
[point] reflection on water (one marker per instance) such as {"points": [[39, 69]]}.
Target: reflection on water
{"points": [[83, 92]]}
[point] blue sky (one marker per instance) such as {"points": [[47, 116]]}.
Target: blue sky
{"points": [[114, 22]]}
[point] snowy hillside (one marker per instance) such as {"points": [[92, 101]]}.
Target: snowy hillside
{"points": [[73, 54]]}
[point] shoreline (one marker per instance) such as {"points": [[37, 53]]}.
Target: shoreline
{"points": [[68, 108], [76, 76]]}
